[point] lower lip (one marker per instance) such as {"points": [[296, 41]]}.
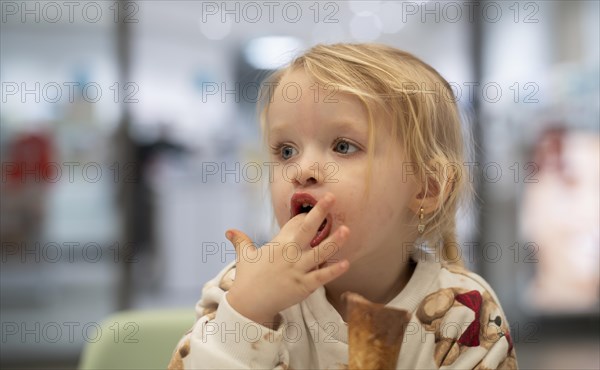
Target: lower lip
{"points": [[321, 235]]}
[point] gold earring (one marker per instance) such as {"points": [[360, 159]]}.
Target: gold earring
{"points": [[421, 226]]}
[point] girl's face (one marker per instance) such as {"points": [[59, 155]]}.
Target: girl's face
{"points": [[318, 140]]}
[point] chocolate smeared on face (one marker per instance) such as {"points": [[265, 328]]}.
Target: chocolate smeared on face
{"points": [[304, 203]]}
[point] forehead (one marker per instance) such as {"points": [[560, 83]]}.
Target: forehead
{"points": [[299, 98]]}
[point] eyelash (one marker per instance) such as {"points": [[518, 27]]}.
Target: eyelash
{"points": [[350, 142], [277, 148]]}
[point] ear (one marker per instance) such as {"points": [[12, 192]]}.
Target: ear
{"points": [[429, 198]]}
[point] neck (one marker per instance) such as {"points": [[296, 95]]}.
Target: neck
{"points": [[376, 281]]}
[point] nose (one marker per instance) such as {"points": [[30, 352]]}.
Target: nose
{"points": [[308, 172]]}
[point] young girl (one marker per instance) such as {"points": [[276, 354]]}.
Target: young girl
{"points": [[367, 156]]}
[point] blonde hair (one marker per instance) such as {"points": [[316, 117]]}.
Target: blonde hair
{"points": [[422, 106]]}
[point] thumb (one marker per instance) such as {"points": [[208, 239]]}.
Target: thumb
{"points": [[239, 240]]}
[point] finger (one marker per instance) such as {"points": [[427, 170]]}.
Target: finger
{"points": [[240, 241], [320, 277], [328, 247], [314, 219]]}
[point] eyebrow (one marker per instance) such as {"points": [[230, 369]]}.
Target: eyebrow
{"points": [[336, 124]]}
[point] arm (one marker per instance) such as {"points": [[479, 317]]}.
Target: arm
{"points": [[246, 330], [223, 338]]}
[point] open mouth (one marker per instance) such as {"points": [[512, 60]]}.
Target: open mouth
{"points": [[304, 203]]}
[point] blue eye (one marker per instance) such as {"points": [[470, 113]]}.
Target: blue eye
{"points": [[287, 152], [344, 147]]}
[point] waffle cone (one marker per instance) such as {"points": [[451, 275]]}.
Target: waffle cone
{"points": [[375, 333]]}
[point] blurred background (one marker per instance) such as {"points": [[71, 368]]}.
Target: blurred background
{"points": [[129, 144]]}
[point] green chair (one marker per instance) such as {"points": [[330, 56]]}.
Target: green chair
{"points": [[137, 340]]}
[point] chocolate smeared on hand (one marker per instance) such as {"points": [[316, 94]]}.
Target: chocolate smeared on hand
{"points": [[375, 333]]}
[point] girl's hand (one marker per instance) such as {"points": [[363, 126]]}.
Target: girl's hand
{"points": [[284, 272]]}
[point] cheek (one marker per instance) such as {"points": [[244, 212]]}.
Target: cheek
{"points": [[395, 196], [388, 203], [366, 216], [384, 216], [280, 201], [339, 218]]}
